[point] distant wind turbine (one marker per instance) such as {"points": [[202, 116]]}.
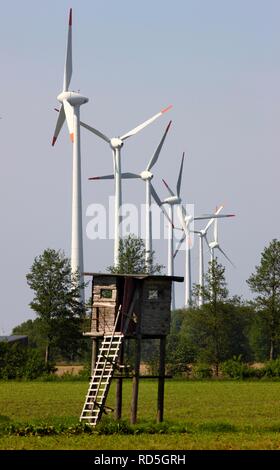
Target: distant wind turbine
{"points": [[202, 234], [185, 220], [214, 245]]}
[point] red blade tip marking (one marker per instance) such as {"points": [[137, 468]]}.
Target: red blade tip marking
{"points": [[70, 17], [54, 140], [94, 178], [72, 137], [166, 109]]}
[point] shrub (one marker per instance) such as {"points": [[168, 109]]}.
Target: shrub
{"points": [[20, 362], [272, 368], [235, 368], [202, 371], [178, 369]]}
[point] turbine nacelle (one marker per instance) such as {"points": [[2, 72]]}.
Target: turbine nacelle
{"points": [[146, 175], [73, 98], [116, 143], [172, 200], [213, 245]]}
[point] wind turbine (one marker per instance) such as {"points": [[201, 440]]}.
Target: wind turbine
{"points": [[116, 143], [214, 245], [146, 176], [202, 234], [185, 220], [171, 202], [70, 110]]}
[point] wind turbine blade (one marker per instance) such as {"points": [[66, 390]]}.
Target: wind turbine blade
{"points": [[180, 176], [212, 216], [146, 123], [179, 244], [96, 132], [212, 220], [69, 113], [130, 175], [168, 188], [159, 203], [158, 150], [225, 255], [111, 177], [68, 59], [216, 231], [105, 177], [182, 214], [155, 196], [59, 124]]}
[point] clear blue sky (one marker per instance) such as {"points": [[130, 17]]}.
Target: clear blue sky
{"points": [[216, 61]]}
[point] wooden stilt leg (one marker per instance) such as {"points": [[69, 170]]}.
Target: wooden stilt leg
{"points": [[160, 404], [135, 382]]}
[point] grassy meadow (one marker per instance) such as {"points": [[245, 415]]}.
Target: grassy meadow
{"points": [[213, 414]]}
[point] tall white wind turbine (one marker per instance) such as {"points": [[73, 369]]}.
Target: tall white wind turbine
{"points": [[70, 110], [146, 176], [116, 143], [174, 199]]}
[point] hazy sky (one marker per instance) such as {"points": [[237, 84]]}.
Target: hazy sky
{"points": [[216, 61]]}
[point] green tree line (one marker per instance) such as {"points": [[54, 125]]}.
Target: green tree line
{"points": [[222, 328]]}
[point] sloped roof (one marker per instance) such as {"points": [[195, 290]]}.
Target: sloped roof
{"points": [[138, 276]]}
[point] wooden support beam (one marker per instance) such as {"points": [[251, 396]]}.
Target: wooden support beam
{"points": [[135, 382], [160, 402]]}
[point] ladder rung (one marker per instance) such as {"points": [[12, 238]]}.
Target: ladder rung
{"points": [[109, 355]]}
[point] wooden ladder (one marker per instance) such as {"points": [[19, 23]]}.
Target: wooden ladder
{"points": [[101, 379], [103, 373]]}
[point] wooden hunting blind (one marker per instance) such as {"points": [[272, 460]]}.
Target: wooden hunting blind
{"points": [[125, 307]]}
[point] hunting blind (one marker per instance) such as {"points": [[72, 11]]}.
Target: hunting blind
{"points": [[125, 307]]}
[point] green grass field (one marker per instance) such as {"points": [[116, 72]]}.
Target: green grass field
{"points": [[218, 415]]}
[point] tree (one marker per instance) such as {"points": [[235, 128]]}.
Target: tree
{"points": [[32, 329], [132, 253], [216, 331], [265, 282], [214, 291], [57, 302]]}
